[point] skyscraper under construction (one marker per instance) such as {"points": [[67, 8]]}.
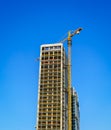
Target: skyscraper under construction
{"points": [[52, 94]]}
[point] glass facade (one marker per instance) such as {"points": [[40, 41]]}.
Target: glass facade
{"points": [[75, 111]]}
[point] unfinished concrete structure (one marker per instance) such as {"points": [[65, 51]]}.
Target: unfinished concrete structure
{"points": [[75, 111], [52, 96]]}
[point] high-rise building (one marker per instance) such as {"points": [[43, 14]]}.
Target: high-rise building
{"points": [[52, 96], [75, 111]]}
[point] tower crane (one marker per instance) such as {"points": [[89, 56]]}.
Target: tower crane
{"points": [[69, 43]]}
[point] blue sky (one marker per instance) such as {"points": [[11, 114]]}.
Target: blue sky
{"points": [[24, 26]]}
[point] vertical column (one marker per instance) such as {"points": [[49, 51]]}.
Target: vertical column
{"points": [[61, 90], [69, 85]]}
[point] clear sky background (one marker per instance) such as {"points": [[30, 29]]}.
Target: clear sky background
{"points": [[24, 26]]}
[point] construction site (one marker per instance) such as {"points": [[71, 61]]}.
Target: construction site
{"points": [[58, 105]]}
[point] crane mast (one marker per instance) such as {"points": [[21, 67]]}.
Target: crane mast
{"points": [[69, 42]]}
